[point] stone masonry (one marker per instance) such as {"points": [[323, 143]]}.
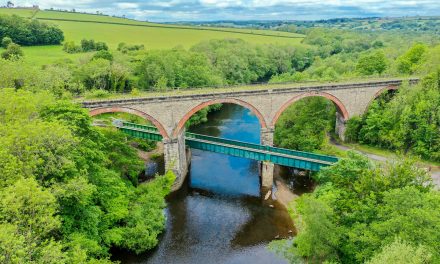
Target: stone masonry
{"points": [[170, 113]]}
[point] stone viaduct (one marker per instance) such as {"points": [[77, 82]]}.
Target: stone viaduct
{"points": [[170, 113]]}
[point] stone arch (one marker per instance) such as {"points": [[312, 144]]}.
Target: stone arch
{"points": [[379, 93], [340, 107], [157, 124], [185, 118]]}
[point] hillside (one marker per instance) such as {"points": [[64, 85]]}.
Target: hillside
{"points": [[113, 30]]}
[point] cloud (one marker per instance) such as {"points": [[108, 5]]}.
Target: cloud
{"points": [[175, 10]]}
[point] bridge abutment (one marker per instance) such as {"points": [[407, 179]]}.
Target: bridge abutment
{"points": [[340, 126], [175, 159], [267, 168]]}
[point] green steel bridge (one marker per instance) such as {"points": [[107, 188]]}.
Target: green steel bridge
{"points": [[285, 157]]}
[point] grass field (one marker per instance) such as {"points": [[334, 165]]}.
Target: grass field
{"points": [[112, 30]]}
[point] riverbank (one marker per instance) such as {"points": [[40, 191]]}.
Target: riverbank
{"points": [[382, 156]]}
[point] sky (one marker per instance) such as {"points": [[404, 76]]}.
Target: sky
{"points": [[211, 10]]}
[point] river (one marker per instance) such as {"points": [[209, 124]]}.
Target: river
{"points": [[219, 216]]}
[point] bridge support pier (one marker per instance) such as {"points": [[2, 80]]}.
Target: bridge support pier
{"points": [[175, 159], [266, 136], [340, 126], [267, 167]]}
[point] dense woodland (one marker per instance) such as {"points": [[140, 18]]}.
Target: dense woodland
{"points": [[70, 191]]}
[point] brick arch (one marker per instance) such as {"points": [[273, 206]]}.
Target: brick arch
{"points": [[185, 118], [132, 111], [379, 93], [340, 107]]}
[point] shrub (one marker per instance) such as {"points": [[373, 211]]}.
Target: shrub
{"points": [[101, 46], [71, 47], [12, 52], [103, 54], [6, 41]]}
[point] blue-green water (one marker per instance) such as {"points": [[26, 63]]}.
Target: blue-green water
{"points": [[219, 216]]}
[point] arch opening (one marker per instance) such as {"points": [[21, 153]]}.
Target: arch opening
{"points": [[180, 126], [388, 91], [340, 107], [143, 115], [305, 122]]}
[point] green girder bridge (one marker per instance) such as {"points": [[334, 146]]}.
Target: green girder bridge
{"points": [[285, 157]]}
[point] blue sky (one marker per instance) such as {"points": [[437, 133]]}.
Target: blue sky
{"points": [[197, 10]]}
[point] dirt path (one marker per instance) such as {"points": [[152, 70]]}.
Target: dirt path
{"points": [[434, 170]]}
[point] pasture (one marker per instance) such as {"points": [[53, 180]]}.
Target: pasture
{"points": [[113, 30]]}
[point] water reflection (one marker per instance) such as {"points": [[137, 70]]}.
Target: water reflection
{"points": [[218, 216]]}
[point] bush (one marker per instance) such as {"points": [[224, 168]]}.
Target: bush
{"points": [[101, 46], [12, 52], [71, 47], [103, 54], [86, 46], [6, 41], [354, 126], [125, 48]]}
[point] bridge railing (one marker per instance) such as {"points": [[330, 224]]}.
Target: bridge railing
{"points": [[263, 147], [241, 144]]}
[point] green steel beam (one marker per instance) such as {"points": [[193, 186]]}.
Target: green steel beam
{"points": [[286, 157]]}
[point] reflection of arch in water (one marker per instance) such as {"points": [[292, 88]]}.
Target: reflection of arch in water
{"points": [[340, 107], [199, 107], [132, 111]]}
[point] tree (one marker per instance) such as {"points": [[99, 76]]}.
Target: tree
{"points": [[303, 126], [13, 51], [6, 41], [359, 208], [103, 54], [369, 64], [407, 63], [401, 252], [318, 236], [27, 219], [28, 32]]}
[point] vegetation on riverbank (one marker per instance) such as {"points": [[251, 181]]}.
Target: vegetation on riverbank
{"points": [[407, 122], [361, 213], [69, 191]]}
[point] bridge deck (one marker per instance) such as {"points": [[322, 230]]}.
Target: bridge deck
{"points": [[285, 157]]}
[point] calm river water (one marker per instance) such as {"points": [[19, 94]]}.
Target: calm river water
{"points": [[219, 216]]}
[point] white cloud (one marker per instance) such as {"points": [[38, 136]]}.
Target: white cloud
{"points": [[172, 10], [126, 5]]}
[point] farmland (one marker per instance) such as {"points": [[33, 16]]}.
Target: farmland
{"points": [[112, 30]]}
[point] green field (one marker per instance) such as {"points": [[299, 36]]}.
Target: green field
{"points": [[113, 30]]}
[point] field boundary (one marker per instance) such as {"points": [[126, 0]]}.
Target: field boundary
{"points": [[169, 27]]}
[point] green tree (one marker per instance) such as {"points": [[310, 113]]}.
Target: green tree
{"points": [[400, 252], [27, 220], [373, 63], [408, 62], [303, 126], [13, 51], [6, 41]]}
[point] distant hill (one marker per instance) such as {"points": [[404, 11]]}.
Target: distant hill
{"points": [[413, 24]]}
